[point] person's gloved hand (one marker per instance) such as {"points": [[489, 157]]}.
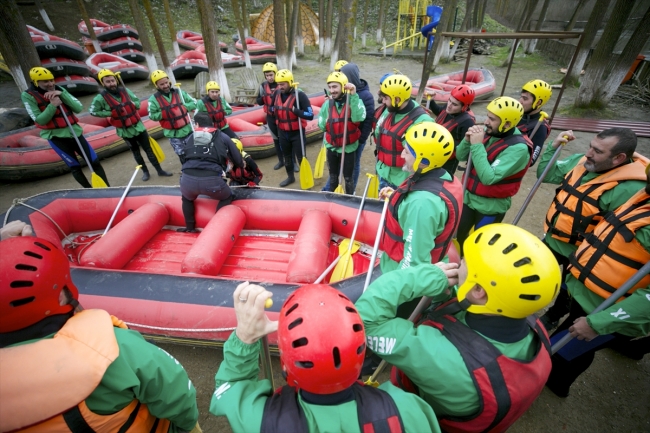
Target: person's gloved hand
{"points": [[295, 111], [15, 228], [252, 184]]}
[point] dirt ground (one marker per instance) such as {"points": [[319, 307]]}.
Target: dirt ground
{"points": [[613, 396]]}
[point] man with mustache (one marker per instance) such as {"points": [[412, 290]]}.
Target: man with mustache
{"points": [[591, 185], [49, 105], [121, 107]]}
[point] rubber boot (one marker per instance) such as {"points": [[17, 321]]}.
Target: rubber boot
{"points": [[145, 173], [162, 172]]}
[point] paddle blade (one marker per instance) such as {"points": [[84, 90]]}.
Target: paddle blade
{"points": [[373, 188], [160, 155], [372, 382], [306, 178], [339, 190], [97, 182], [319, 167], [343, 269]]}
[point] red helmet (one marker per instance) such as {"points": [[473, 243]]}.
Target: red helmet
{"points": [[321, 340], [464, 94], [33, 273]]}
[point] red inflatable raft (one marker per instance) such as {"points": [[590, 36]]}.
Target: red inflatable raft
{"points": [[106, 32], [191, 40], [118, 44], [78, 85], [129, 71], [131, 55], [60, 66], [166, 283], [25, 155], [440, 86], [255, 47], [49, 46], [191, 63]]}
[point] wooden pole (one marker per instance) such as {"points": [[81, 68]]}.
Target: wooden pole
{"points": [[158, 38], [246, 19], [170, 25], [16, 44], [212, 51], [46, 19], [152, 64], [89, 25]]}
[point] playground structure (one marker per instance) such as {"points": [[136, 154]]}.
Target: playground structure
{"points": [[415, 24]]}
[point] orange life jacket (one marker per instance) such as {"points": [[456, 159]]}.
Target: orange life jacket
{"points": [[44, 384], [57, 121], [611, 254], [217, 114], [174, 113], [283, 111], [336, 124], [389, 145], [123, 113], [575, 209]]}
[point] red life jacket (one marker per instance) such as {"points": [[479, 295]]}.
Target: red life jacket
{"points": [[268, 97], [508, 186], [378, 112], [123, 114], [376, 411], [217, 114], [286, 120], [57, 121], [336, 124], [451, 122], [174, 113], [506, 387], [391, 135], [451, 191], [527, 127], [251, 173]]}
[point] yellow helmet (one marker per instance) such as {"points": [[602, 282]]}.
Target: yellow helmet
{"points": [[527, 276], [40, 73], [238, 143], [540, 90], [212, 85], [105, 73], [338, 65], [269, 67], [337, 77], [429, 143], [284, 76], [397, 86], [508, 110], [158, 75]]}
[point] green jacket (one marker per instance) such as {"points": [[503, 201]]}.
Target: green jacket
{"points": [[430, 360], [200, 107], [357, 114], [512, 160], [43, 117], [240, 396], [100, 108], [422, 217], [147, 373], [394, 175], [156, 114], [608, 201]]}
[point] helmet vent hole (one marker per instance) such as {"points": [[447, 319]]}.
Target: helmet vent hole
{"points": [[337, 357], [494, 239], [522, 262], [19, 302], [530, 279], [304, 364], [20, 284], [478, 238], [290, 310], [350, 309], [302, 341], [357, 327], [45, 247], [361, 348], [529, 297], [509, 248], [31, 254], [295, 323], [22, 267]]}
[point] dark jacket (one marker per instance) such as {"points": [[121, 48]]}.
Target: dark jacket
{"points": [[352, 72]]}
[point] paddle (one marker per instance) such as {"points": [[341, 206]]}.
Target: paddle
{"points": [[319, 167], [339, 189], [155, 147], [344, 269], [374, 186], [343, 247], [266, 352], [183, 100], [126, 190], [306, 178], [95, 180], [375, 249]]}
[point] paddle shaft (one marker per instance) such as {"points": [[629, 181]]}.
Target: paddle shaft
{"points": [[183, 99], [535, 187], [375, 249], [631, 282], [302, 140], [345, 138], [83, 152], [266, 361], [126, 190], [465, 180]]}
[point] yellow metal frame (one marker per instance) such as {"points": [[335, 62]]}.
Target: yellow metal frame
{"points": [[410, 10]]}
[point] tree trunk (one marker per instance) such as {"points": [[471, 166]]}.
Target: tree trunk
{"points": [[282, 53], [344, 36], [212, 50], [170, 26], [591, 29], [16, 44], [152, 64], [300, 41], [330, 28], [89, 26], [240, 29], [481, 14], [574, 18], [46, 19], [380, 24], [523, 23], [365, 23], [321, 29], [245, 18], [590, 93], [469, 7], [293, 27], [532, 43], [159, 42]]}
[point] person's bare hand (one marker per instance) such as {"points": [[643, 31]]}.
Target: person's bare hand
{"points": [[563, 138], [15, 228], [475, 134], [581, 330], [56, 101], [252, 322], [451, 272], [351, 88], [52, 94], [385, 192]]}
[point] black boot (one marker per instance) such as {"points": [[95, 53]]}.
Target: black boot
{"points": [[225, 202], [145, 174], [288, 181], [162, 172], [188, 213], [279, 165]]}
